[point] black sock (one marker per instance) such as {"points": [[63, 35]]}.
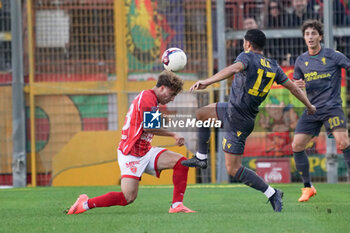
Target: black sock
{"points": [[250, 178], [203, 139], [303, 167]]}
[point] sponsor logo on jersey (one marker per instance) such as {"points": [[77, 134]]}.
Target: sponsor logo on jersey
{"points": [[315, 76]]}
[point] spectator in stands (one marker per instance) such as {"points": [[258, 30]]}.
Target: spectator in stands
{"points": [[276, 18], [235, 47], [250, 23], [276, 15], [300, 13]]}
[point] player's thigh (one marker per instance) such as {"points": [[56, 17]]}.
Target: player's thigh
{"points": [[300, 141], [310, 124], [167, 160], [132, 166], [130, 187], [207, 112], [341, 137]]}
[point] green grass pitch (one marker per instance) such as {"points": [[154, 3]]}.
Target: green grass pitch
{"points": [[220, 208]]}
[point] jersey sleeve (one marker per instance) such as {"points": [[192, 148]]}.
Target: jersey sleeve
{"points": [[281, 77], [244, 59], [297, 71], [341, 60]]}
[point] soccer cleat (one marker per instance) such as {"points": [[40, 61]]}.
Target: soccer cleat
{"points": [[276, 200], [77, 207], [306, 193], [195, 162], [180, 209]]}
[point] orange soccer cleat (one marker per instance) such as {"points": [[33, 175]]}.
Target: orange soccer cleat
{"points": [[77, 207], [180, 209], [307, 193]]}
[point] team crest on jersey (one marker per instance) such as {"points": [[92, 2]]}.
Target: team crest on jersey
{"points": [[324, 60], [132, 166], [306, 63], [239, 133]]}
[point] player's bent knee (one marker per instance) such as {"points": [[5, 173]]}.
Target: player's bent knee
{"points": [[130, 197], [206, 112], [231, 169], [130, 200], [297, 147], [343, 144]]}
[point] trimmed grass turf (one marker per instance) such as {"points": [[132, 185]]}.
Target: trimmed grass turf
{"points": [[220, 208]]}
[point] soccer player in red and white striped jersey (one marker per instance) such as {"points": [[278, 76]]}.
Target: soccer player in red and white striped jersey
{"points": [[135, 140], [136, 155]]}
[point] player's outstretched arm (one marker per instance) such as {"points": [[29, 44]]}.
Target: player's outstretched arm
{"points": [[221, 75], [297, 92]]}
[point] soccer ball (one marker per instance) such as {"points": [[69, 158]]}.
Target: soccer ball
{"points": [[174, 59]]}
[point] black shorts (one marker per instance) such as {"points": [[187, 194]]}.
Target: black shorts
{"points": [[331, 118], [236, 129]]}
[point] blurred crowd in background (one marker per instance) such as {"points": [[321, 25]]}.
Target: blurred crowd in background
{"points": [[240, 15], [284, 15]]}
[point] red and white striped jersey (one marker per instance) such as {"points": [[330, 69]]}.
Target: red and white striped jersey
{"points": [[135, 141]]}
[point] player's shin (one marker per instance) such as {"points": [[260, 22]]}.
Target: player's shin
{"points": [[250, 178], [179, 181], [203, 142], [200, 159], [303, 166], [108, 199]]}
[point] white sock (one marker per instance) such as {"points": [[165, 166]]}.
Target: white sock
{"points": [[176, 204], [201, 156], [269, 192], [86, 206]]}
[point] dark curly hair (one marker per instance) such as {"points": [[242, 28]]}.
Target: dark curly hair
{"points": [[171, 80], [312, 23]]}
